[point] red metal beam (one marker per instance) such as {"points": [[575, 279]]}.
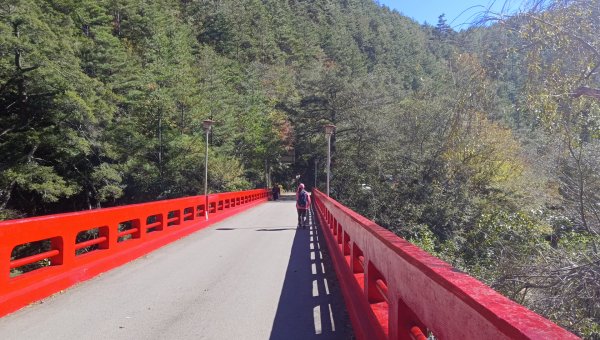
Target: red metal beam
{"points": [[416, 291], [67, 268]]}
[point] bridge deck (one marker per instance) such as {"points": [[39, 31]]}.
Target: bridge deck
{"points": [[252, 276]]}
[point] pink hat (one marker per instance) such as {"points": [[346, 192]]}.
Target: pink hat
{"points": [[301, 186]]}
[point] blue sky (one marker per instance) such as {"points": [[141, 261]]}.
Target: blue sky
{"points": [[429, 10]]}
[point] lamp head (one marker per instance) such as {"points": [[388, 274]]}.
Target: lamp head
{"points": [[206, 124], [329, 129]]}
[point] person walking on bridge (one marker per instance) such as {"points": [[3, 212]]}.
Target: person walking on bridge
{"points": [[276, 192], [302, 205]]}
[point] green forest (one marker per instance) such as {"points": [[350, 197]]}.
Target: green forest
{"points": [[480, 145]]}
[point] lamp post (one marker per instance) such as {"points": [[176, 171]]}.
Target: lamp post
{"points": [[315, 172], [329, 130], [207, 124]]}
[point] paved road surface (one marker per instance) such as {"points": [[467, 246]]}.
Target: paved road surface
{"points": [[252, 276]]}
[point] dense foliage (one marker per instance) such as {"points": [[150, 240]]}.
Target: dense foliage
{"points": [[103, 103], [482, 146]]}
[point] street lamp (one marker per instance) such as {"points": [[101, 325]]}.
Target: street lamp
{"points": [[316, 173], [329, 130], [207, 124]]}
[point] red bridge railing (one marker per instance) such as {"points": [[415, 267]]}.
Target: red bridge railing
{"points": [[395, 290], [114, 236]]}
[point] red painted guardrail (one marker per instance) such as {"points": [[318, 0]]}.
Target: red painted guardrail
{"points": [[395, 290], [118, 235]]}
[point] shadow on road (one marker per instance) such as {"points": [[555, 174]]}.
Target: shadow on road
{"points": [[258, 229], [276, 229], [310, 305]]}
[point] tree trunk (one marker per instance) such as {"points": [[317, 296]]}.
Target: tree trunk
{"points": [[11, 186]]}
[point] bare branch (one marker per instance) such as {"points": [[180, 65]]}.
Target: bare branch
{"points": [[587, 92]]}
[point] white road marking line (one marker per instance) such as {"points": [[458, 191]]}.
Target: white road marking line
{"points": [[322, 268], [311, 239], [320, 255], [331, 318], [317, 317], [312, 246], [326, 286], [315, 288], [312, 255], [314, 269]]}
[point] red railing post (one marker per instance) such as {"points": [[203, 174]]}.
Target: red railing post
{"points": [[58, 243], [5, 253]]}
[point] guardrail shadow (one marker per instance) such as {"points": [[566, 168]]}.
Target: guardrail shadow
{"points": [[311, 305]]}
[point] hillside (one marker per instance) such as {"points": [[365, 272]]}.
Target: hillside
{"points": [[480, 146]]}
